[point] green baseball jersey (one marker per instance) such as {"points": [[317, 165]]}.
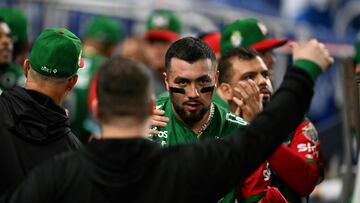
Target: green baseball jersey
{"points": [[221, 102], [11, 76], [176, 132]]}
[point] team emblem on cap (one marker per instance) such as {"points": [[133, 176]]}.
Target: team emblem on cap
{"points": [[236, 39], [160, 21], [262, 28]]}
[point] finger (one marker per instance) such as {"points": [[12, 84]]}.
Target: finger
{"points": [[240, 93], [153, 132], [293, 45], [238, 111], [158, 112], [160, 118], [250, 90], [254, 89], [158, 123], [238, 102], [241, 89]]}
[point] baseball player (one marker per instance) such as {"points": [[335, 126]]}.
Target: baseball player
{"points": [[300, 152], [191, 78]]}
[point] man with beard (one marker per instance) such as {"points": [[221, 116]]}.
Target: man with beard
{"points": [[296, 165], [124, 166], [9, 73], [190, 79]]}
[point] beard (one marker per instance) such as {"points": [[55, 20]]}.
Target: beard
{"points": [[190, 117], [265, 100]]}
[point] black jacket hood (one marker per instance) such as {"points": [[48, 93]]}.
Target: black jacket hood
{"points": [[119, 164], [33, 115]]}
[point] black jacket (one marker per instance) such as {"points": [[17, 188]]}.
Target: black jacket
{"points": [[32, 129], [139, 170]]}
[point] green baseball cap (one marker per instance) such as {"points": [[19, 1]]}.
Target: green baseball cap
{"points": [[17, 22], [163, 25], [248, 32], [104, 29], [56, 53]]}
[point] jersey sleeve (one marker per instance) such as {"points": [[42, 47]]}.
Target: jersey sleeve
{"points": [[299, 165], [255, 186], [306, 143]]}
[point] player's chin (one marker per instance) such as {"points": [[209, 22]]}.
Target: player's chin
{"points": [[265, 100]]}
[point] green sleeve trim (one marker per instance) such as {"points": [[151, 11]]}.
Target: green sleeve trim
{"points": [[310, 67], [254, 198], [313, 162]]}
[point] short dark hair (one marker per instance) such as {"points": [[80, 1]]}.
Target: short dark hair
{"points": [[225, 68], [123, 89], [189, 49]]}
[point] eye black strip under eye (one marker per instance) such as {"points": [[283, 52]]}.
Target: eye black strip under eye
{"points": [[177, 90], [207, 89]]}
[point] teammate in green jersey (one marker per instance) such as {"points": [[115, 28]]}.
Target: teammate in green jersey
{"points": [[190, 79]]}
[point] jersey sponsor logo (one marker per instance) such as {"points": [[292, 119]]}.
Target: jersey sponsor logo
{"points": [[235, 119], [308, 148], [310, 133], [163, 134], [266, 172], [160, 137]]}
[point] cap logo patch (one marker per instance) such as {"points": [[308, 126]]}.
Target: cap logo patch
{"points": [[236, 39], [160, 21], [45, 69], [262, 28]]}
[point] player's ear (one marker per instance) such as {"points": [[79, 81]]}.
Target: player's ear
{"points": [[225, 91], [217, 76], [165, 76], [26, 67]]}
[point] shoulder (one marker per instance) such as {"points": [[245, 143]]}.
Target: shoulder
{"points": [[74, 141], [162, 99]]}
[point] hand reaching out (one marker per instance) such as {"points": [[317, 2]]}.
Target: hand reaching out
{"points": [[158, 120]]}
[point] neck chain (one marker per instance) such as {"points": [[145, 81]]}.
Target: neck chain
{"points": [[206, 124]]}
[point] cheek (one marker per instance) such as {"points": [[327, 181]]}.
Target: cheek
{"points": [[268, 83], [177, 98], [206, 97]]}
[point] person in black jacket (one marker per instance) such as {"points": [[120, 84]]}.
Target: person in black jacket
{"points": [[34, 127], [125, 166]]}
